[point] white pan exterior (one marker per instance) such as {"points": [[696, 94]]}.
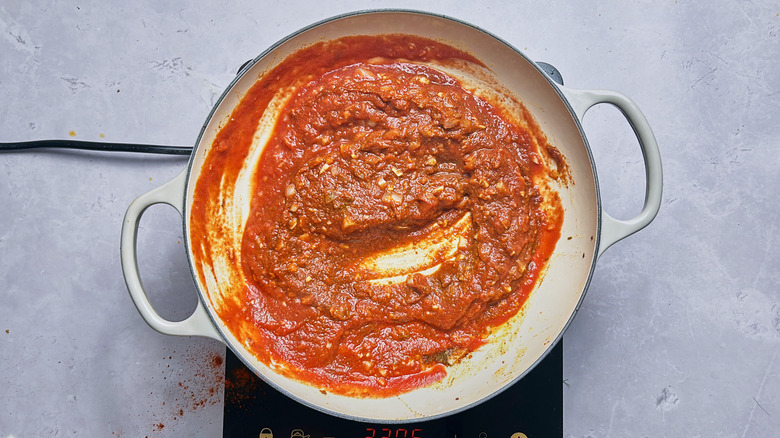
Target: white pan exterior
{"points": [[521, 343]]}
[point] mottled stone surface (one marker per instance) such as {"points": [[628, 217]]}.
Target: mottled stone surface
{"points": [[678, 335]]}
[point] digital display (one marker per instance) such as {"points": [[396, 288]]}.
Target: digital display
{"points": [[396, 432]]}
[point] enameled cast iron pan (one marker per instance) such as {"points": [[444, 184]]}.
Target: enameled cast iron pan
{"points": [[524, 340]]}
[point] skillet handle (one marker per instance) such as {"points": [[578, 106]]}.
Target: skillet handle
{"points": [[613, 230], [197, 324]]}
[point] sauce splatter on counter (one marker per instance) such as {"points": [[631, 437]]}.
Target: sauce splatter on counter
{"points": [[186, 390]]}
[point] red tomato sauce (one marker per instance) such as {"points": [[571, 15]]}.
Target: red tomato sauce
{"points": [[396, 219]]}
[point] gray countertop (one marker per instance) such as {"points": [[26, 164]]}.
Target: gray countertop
{"points": [[678, 335]]}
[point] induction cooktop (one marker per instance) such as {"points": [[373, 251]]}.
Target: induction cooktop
{"points": [[530, 408]]}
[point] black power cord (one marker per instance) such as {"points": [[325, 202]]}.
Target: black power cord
{"points": [[96, 146]]}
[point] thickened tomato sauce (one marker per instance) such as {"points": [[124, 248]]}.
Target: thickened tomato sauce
{"points": [[396, 218]]}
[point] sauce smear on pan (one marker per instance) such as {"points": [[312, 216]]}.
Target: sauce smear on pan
{"points": [[397, 216]]}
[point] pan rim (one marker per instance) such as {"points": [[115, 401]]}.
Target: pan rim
{"points": [[199, 146]]}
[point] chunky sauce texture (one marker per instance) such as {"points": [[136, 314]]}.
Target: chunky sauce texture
{"points": [[396, 218]]}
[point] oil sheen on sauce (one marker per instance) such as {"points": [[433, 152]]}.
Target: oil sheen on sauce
{"points": [[396, 216]]}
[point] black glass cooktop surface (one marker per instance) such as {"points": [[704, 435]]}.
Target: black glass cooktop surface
{"points": [[532, 408]]}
